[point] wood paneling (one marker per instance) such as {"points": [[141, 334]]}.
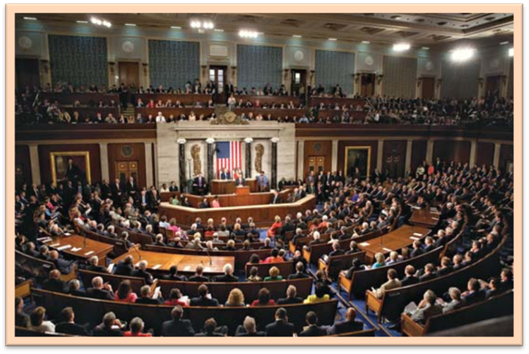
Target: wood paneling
{"points": [[22, 165], [345, 143], [45, 161], [506, 156], [428, 87], [394, 158], [317, 148], [129, 73], [418, 153], [127, 152], [96, 132], [484, 154], [448, 150]]}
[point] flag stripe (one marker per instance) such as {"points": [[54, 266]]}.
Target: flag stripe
{"points": [[229, 156]]}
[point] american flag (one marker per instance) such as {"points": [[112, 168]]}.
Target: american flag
{"points": [[229, 156]]}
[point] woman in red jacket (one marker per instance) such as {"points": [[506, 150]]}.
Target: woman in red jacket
{"points": [[271, 233]]}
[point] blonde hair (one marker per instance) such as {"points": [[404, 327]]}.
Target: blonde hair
{"points": [[274, 272], [277, 218], [236, 297], [379, 257]]}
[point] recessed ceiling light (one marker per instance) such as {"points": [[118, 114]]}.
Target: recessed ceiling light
{"points": [[462, 54], [176, 27], [218, 30], [297, 36], [511, 52], [366, 42], [426, 48], [130, 24], [503, 43], [401, 47], [396, 17], [82, 21], [332, 39], [30, 18]]}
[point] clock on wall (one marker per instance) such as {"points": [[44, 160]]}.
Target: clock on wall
{"points": [[127, 46], [298, 55], [25, 42], [126, 151], [369, 61]]}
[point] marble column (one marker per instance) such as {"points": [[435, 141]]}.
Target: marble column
{"points": [[148, 165], [273, 183], [409, 149], [34, 161], [103, 152], [182, 163], [496, 158], [473, 146], [301, 158], [429, 151], [380, 155], [248, 158], [210, 152], [334, 158]]}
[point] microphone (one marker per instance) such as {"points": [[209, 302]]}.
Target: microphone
{"points": [[209, 256], [138, 252]]}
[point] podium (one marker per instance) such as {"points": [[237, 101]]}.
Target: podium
{"points": [[244, 190], [219, 186]]}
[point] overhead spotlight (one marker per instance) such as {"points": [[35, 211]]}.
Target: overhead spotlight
{"points": [[30, 18], [462, 54], [297, 36], [130, 24], [208, 25], [248, 34], [82, 21], [196, 24], [218, 30], [96, 21], [176, 27], [425, 48], [401, 47], [107, 24], [511, 52], [333, 39], [503, 43], [366, 42]]}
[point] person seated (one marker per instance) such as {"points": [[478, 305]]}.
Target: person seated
{"points": [[506, 282], [74, 287], [158, 241], [230, 246], [410, 278], [274, 257], [267, 244], [356, 266], [210, 329], [227, 276], [318, 296], [446, 267], [429, 273], [235, 298], [474, 292], [393, 258], [248, 329], [195, 244], [37, 321], [198, 276], [263, 298], [349, 325], [94, 265], [275, 228], [141, 272], [392, 283], [427, 308], [110, 327], [291, 297], [54, 282], [215, 203], [456, 302], [298, 257], [177, 327], [68, 325], [173, 274], [254, 275], [175, 298], [274, 275], [124, 267], [313, 330], [280, 327], [21, 319], [136, 328], [300, 272], [125, 293], [380, 261], [203, 299], [100, 290], [146, 297]]}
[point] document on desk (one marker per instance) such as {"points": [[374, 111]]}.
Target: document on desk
{"points": [[187, 268], [65, 247], [414, 238], [88, 253], [364, 244], [157, 266], [55, 245], [387, 249], [417, 234]]}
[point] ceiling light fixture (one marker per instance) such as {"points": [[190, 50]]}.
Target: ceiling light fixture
{"points": [[99, 22], [425, 48], [130, 24], [401, 47], [297, 35], [176, 27], [248, 34], [332, 39], [462, 54], [218, 30], [82, 21], [511, 52], [30, 18], [366, 42], [503, 43]]}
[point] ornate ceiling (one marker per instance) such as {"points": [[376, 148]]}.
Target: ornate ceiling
{"points": [[416, 28]]}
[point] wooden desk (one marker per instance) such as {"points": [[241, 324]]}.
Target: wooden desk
{"points": [[93, 248], [425, 218], [236, 199], [262, 214], [185, 263], [242, 190], [185, 99], [92, 112], [393, 240], [219, 186], [268, 99]]}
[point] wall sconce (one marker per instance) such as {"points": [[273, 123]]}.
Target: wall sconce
{"points": [[204, 67], [439, 82], [112, 69], [480, 82], [312, 72], [419, 81], [357, 77], [233, 71], [285, 76], [504, 79], [379, 78], [145, 66]]}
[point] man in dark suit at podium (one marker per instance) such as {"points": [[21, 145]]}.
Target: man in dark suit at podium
{"points": [[224, 175], [199, 184], [240, 181]]}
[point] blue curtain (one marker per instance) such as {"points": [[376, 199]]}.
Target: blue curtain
{"points": [[173, 63], [78, 60], [460, 80], [335, 68], [259, 65]]}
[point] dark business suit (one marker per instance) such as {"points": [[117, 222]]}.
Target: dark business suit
{"points": [[101, 294], [142, 274], [71, 328], [123, 269], [346, 327], [55, 285], [177, 328], [289, 301], [313, 331], [279, 328], [204, 301]]}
